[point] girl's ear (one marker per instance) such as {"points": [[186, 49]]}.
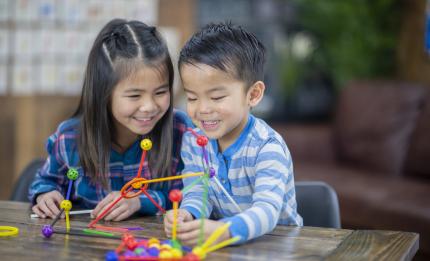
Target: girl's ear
{"points": [[255, 93]]}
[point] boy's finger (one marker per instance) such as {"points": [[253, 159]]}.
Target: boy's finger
{"points": [[189, 238], [125, 214], [45, 209], [185, 227]]}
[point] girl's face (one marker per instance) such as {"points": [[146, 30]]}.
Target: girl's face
{"points": [[138, 103]]}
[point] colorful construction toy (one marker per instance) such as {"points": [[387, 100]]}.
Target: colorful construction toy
{"points": [[151, 249]]}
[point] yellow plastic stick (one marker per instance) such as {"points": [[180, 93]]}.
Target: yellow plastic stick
{"points": [[215, 235], [67, 221], [173, 177], [175, 219], [223, 244]]}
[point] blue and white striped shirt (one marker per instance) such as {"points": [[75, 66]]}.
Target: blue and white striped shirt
{"points": [[257, 172]]}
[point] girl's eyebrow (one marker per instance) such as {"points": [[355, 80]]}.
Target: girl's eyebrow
{"points": [[142, 90]]}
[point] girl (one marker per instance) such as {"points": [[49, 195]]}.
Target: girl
{"points": [[126, 96]]}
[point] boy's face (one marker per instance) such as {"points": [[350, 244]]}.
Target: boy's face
{"points": [[216, 102], [138, 103]]}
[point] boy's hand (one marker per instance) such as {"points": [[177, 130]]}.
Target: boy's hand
{"points": [[122, 210], [183, 216], [47, 204], [189, 232]]}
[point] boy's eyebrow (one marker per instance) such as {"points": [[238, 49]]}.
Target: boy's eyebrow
{"points": [[141, 90], [214, 89]]}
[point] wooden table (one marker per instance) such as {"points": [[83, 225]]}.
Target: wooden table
{"points": [[284, 243]]}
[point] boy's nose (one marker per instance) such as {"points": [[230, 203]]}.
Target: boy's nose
{"points": [[204, 108]]}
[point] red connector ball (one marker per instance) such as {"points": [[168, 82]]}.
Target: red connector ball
{"points": [[202, 140], [175, 195]]}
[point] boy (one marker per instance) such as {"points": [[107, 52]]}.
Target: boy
{"points": [[221, 68]]}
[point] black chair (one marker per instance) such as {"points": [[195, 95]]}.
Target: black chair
{"points": [[20, 191], [317, 203]]}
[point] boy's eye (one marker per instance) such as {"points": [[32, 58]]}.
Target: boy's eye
{"points": [[190, 99], [159, 93], [218, 98], [133, 96]]}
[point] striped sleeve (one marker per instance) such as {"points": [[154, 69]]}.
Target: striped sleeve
{"points": [[273, 177], [192, 198]]}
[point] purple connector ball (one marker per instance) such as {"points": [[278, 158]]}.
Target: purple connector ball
{"points": [[47, 231], [211, 172]]}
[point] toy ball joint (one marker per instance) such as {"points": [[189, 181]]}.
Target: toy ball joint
{"points": [[47, 231], [111, 256], [175, 195], [202, 141], [146, 144], [72, 174], [66, 205]]}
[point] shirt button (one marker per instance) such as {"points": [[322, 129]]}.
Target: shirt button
{"points": [[223, 180]]}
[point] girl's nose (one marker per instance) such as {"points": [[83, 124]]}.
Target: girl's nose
{"points": [[148, 105]]}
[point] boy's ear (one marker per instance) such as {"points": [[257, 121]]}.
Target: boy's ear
{"points": [[255, 93]]}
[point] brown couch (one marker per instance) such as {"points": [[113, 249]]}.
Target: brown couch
{"points": [[376, 155]]}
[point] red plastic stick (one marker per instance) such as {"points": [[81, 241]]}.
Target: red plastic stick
{"points": [[105, 212], [142, 160], [153, 201]]}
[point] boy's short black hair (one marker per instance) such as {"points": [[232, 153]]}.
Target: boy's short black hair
{"points": [[226, 47]]}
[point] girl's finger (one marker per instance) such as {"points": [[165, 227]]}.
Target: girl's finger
{"points": [[102, 205], [117, 210], [36, 210], [45, 209], [52, 206], [125, 214], [57, 197]]}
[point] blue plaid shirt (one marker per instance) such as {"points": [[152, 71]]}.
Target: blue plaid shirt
{"points": [[63, 154]]}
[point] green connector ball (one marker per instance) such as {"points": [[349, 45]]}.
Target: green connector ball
{"points": [[72, 174]]}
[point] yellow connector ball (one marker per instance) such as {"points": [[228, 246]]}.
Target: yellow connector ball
{"points": [[137, 185], [165, 254], [153, 240], [146, 144], [66, 205], [198, 251], [176, 253]]}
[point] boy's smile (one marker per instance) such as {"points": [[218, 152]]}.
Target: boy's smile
{"points": [[217, 102]]}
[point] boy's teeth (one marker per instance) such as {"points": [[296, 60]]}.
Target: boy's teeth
{"points": [[210, 122]]}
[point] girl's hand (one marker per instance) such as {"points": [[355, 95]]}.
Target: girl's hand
{"points": [[120, 211], [47, 204], [183, 216], [189, 232]]}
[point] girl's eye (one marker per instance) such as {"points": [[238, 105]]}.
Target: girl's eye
{"points": [[134, 96], [191, 99], [218, 98]]}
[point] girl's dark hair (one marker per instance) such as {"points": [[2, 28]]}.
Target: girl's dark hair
{"points": [[226, 47], [119, 50]]}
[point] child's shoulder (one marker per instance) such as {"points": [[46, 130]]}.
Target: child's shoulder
{"points": [[69, 126], [263, 133]]}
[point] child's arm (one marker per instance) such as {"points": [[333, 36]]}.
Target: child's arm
{"points": [[192, 198], [46, 191], [274, 185]]}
